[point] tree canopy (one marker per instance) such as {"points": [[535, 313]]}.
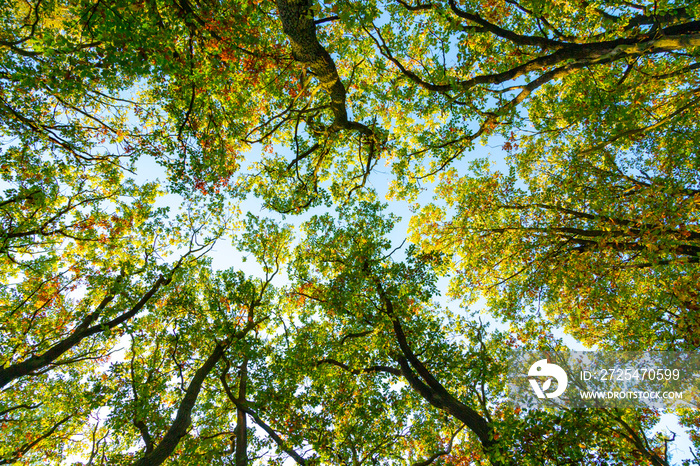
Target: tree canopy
{"points": [[299, 132]]}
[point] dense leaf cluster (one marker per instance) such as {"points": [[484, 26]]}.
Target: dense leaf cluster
{"points": [[281, 128]]}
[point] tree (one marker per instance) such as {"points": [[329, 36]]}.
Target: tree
{"points": [[389, 326], [121, 344], [612, 253]]}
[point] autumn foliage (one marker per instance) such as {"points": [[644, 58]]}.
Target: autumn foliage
{"points": [[238, 232]]}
